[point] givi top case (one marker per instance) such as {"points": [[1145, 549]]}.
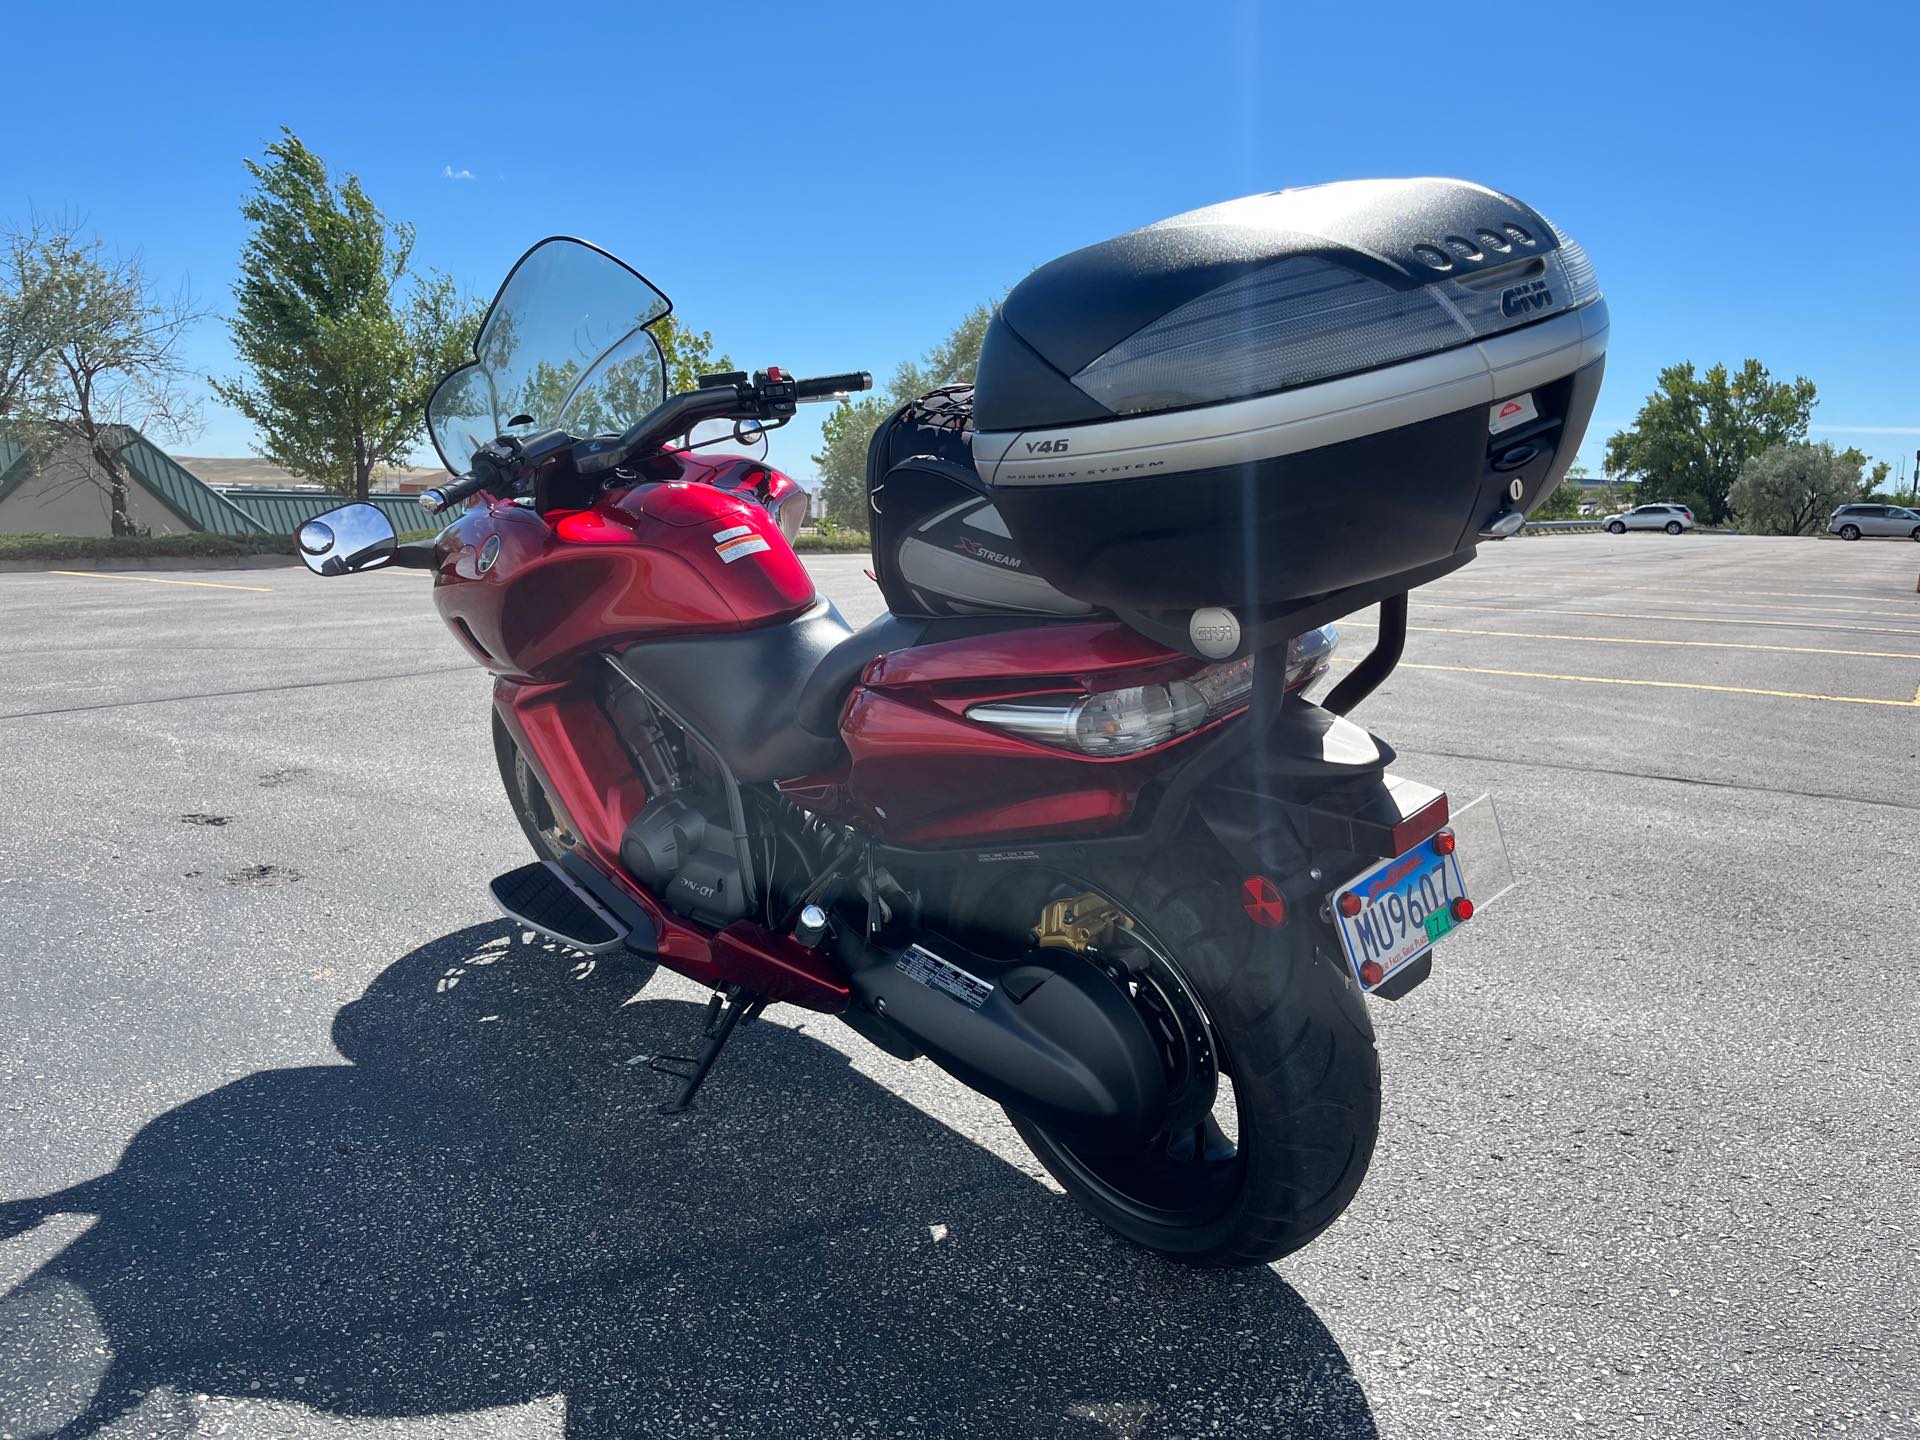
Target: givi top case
{"points": [[1289, 403]]}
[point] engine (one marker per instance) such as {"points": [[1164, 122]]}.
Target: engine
{"points": [[684, 845]]}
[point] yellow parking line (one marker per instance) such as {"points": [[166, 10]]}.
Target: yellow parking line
{"points": [[1675, 595], [1913, 704], [1630, 640], [162, 580], [1687, 619]]}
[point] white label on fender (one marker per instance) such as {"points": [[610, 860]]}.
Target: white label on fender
{"points": [[734, 534], [1509, 413], [733, 552]]}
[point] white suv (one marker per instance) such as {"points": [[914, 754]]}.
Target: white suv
{"points": [[1670, 518], [1850, 522]]}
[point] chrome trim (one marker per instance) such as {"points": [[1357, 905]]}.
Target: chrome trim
{"points": [[1053, 724], [1240, 431], [1503, 525]]}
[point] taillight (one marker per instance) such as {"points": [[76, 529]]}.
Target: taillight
{"points": [[1125, 722]]}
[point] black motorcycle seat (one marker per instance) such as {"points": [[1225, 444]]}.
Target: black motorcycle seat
{"points": [[768, 699]]}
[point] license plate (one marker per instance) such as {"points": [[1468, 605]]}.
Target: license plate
{"points": [[1406, 904]]}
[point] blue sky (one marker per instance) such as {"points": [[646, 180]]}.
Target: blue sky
{"points": [[829, 186]]}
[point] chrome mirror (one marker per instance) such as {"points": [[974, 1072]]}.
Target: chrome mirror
{"points": [[353, 537]]}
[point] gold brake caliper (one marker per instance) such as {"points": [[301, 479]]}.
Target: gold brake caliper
{"points": [[1080, 923]]}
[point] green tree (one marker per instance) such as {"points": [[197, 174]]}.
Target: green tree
{"points": [[109, 368], [1792, 488], [31, 259], [343, 341], [1695, 433], [842, 457], [1565, 502], [688, 354]]}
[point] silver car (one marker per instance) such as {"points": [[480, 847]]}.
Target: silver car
{"points": [[1670, 518], [1850, 522]]}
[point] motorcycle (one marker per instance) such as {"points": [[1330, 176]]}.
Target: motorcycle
{"points": [[1106, 864]]}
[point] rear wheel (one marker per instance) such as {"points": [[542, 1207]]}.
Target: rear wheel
{"points": [[1916, 533], [1618, 527], [1850, 532], [1268, 1052], [1673, 527]]}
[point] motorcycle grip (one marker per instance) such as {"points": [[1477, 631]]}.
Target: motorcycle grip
{"points": [[825, 387]]}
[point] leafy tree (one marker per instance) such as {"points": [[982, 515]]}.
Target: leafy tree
{"points": [[30, 260], [1792, 488], [107, 368], [342, 339], [1564, 503], [688, 353], [1695, 433], [842, 458]]}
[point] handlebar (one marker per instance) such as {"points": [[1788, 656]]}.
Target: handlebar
{"points": [[826, 387], [445, 497], [768, 396]]}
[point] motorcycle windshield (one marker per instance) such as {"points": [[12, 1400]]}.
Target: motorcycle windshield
{"points": [[564, 346]]}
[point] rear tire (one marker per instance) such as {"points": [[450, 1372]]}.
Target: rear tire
{"points": [[1852, 532], [1916, 533], [1291, 1032], [1617, 528], [1673, 527]]}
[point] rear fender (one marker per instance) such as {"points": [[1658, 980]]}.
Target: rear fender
{"points": [[1315, 794]]}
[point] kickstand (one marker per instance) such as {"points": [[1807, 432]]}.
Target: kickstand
{"points": [[725, 1011]]}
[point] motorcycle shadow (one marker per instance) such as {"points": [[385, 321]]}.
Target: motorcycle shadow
{"points": [[483, 1210]]}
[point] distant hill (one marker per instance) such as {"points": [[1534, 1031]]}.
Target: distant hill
{"points": [[252, 470]]}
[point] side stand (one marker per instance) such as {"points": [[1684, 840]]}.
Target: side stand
{"points": [[725, 1012]]}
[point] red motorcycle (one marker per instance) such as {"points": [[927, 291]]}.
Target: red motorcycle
{"points": [[1092, 851]]}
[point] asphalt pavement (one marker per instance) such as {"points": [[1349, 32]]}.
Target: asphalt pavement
{"points": [[298, 1139]]}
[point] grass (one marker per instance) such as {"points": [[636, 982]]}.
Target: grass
{"points": [[107, 547], [842, 543]]}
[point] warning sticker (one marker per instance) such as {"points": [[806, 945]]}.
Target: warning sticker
{"points": [[734, 534], [738, 548], [1506, 414], [945, 976]]}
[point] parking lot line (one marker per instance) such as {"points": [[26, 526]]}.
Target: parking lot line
{"points": [[162, 580], [1913, 704], [1684, 619], [1677, 597], [1639, 640]]}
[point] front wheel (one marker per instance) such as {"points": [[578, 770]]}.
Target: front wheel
{"points": [[1617, 528], [1850, 532], [1916, 533], [1269, 1055], [541, 822]]}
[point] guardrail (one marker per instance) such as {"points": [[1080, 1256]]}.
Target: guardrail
{"points": [[1580, 527]]}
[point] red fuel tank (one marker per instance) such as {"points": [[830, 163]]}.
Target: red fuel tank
{"points": [[529, 593]]}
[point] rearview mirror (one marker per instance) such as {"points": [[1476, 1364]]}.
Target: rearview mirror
{"points": [[353, 537]]}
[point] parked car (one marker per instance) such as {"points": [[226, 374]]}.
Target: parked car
{"points": [[1671, 518], [1850, 522]]}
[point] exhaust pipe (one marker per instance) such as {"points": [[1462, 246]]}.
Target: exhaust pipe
{"points": [[1056, 1041]]}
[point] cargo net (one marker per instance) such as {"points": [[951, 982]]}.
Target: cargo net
{"points": [[947, 411]]}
